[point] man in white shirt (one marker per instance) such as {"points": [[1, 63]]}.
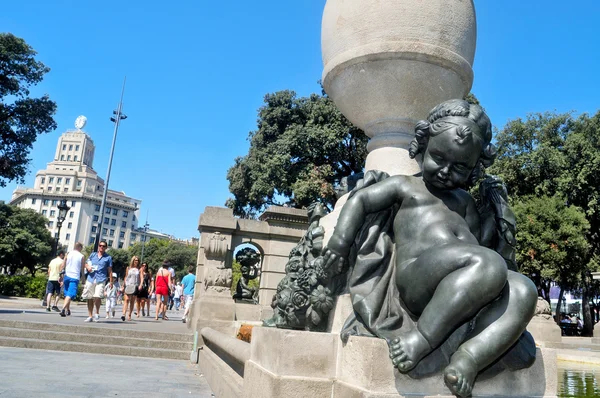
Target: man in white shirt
{"points": [[73, 266]]}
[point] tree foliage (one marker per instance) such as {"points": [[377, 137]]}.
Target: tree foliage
{"points": [[22, 117], [25, 242], [302, 147], [557, 156], [552, 244]]}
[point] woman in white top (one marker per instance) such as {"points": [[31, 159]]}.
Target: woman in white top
{"points": [[132, 282]]}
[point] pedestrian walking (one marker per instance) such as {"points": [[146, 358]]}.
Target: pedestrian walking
{"points": [[99, 268], [189, 283], [163, 286], [110, 292], [53, 285], [132, 284], [144, 291], [73, 267], [177, 295]]}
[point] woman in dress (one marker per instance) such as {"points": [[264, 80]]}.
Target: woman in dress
{"points": [[132, 283], [144, 290], [163, 285]]}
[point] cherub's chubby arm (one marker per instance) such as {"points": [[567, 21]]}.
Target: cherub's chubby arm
{"points": [[367, 200]]}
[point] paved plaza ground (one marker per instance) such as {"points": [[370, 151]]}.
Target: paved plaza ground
{"points": [[43, 373], [25, 309]]}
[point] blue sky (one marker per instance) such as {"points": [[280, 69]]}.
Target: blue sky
{"points": [[197, 73]]}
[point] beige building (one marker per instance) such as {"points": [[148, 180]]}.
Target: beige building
{"points": [[71, 176]]}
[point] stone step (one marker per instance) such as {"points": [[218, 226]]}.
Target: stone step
{"points": [[95, 330], [21, 342], [77, 337]]}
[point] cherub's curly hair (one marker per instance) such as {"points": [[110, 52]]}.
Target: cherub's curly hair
{"points": [[439, 120]]}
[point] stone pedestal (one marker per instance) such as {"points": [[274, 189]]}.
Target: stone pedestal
{"points": [[544, 330], [287, 363], [290, 363]]}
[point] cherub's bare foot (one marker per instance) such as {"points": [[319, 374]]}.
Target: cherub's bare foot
{"points": [[407, 350], [460, 374]]}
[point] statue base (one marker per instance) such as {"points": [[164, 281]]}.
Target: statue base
{"points": [[291, 363]]}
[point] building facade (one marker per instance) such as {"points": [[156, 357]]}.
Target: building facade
{"points": [[71, 176]]}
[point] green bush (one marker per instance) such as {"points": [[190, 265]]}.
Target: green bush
{"points": [[23, 286]]}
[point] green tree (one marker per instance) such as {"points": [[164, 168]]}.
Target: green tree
{"points": [[120, 260], [551, 242], [550, 154], [25, 242], [302, 147], [22, 118]]}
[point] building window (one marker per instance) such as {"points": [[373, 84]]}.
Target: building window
{"points": [[44, 212], [59, 180], [112, 232], [43, 180], [46, 201], [70, 147], [50, 224], [71, 214], [108, 209], [125, 213], [97, 208], [62, 157], [68, 157], [76, 147], [94, 228], [73, 203], [69, 225], [75, 158], [68, 236], [123, 224], [78, 183], [122, 234], [65, 189], [50, 180], [106, 220], [64, 147], [115, 212], [52, 213], [133, 218], [33, 201], [133, 236], [104, 231], [92, 240], [110, 243], [113, 222], [96, 217], [120, 245], [54, 202], [49, 189], [67, 181]]}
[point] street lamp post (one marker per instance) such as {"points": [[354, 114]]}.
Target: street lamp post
{"points": [[144, 241], [63, 208], [118, 116]]}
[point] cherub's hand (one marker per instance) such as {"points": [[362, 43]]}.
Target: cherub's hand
{"points": [[332, 260], [493, 190]]}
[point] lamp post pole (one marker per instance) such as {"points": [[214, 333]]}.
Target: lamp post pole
{"points": [[63, 208], [118, 116], [144, 240]]}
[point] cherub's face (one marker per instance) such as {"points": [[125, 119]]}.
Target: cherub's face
{"points": [[447, 164]]}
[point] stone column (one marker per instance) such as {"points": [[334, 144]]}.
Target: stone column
{"points": [[213, 306], [387, 63]]}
